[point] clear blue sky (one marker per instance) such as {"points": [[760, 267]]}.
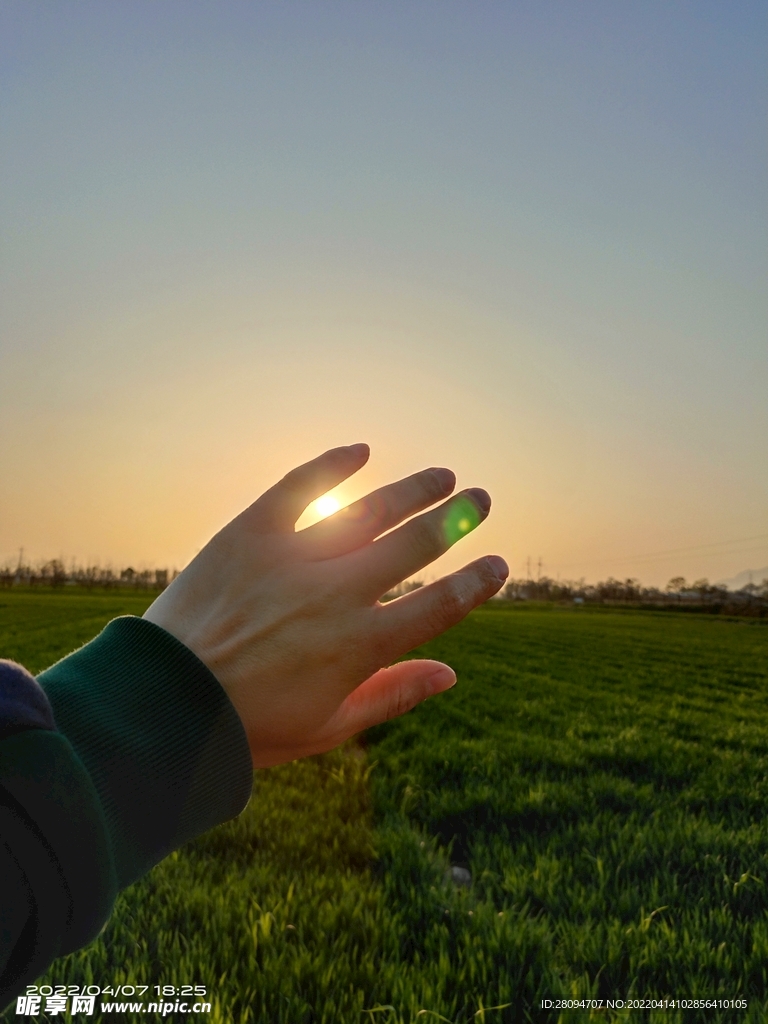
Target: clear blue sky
{"points": [[524, 240]]}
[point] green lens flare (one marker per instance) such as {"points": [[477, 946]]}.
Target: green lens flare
{"points": [[461, 518]]}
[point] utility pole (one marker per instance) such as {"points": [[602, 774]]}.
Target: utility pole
{"points": [[538, 578], [528, 568]]}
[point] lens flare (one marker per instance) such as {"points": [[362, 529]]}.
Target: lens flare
{"points": [[326, 505], [461, 518]]}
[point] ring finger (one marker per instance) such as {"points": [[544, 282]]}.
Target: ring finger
{"points": [[368, 518]]}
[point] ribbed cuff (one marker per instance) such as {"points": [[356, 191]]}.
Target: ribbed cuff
{"points": [[157, 734]]}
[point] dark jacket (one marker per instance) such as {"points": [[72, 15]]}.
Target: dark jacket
{"points": [[117, 755]]}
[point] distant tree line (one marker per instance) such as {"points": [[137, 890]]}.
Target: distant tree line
{"points": [[701, 595], [55, 574], [402, 589]]}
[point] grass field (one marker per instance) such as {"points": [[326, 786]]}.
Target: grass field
{"points": [[602, 775]]}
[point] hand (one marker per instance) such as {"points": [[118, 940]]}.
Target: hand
{"points": [[290, 623]]}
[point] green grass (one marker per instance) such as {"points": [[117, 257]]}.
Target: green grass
{"points": [[37, 627], [603, 776]]}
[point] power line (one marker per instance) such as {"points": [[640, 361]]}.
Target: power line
{"points": [[673, 551]]}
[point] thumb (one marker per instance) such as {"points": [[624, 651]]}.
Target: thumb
{"points": [[391, 692]]}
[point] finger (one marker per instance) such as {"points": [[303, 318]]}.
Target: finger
{"points": [[427, 612], [391, 692], [378, 512], [280, 506], [418, 542]]}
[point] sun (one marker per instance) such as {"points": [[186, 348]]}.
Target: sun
{"points": [[326, 505]]}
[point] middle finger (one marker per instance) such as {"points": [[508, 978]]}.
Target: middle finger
{"points": [[403, 552]]}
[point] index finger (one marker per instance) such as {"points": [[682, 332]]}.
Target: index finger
{"points": [[426, 613]]}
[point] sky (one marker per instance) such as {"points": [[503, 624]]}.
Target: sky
{"points": [[526, 241]]}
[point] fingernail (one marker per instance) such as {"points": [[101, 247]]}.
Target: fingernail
{"points": [[481, 498], [498, 567], [443, 678], [358, 449], [445, 478]]}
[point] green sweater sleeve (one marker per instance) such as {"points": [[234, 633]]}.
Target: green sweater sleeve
{"points": [[149, 753], [58, 879], [158, 736]]}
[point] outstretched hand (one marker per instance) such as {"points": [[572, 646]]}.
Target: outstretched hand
{"points": [[290, 623]]}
